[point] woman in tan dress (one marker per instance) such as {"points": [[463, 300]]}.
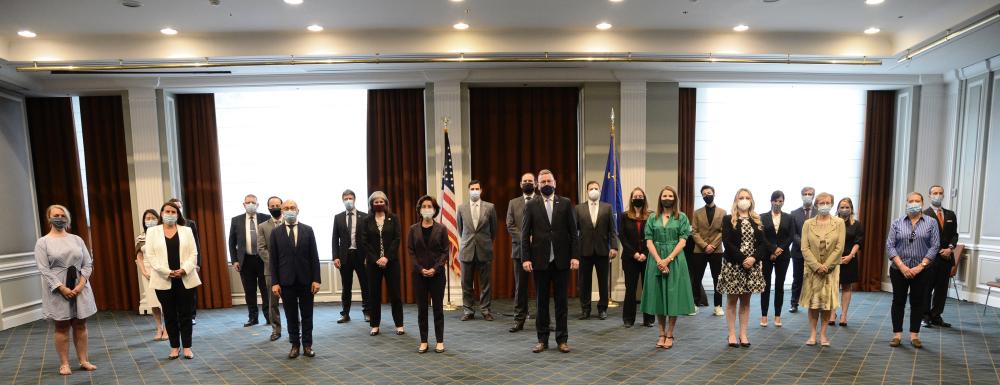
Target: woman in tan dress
{"points": [[822, 244]]}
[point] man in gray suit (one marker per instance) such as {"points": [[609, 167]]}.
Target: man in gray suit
{"points": [[263, 234], [243, 245], [799, 217], [515, 218], [598, 246], [477, 228]]}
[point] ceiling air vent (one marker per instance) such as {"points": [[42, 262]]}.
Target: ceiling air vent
{"points": [[132, 3]]}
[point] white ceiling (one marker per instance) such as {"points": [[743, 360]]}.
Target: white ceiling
{"points": [[919, 20]]}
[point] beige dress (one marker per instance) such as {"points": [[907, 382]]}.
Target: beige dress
{"points": [[149, 294], [822, 245]]}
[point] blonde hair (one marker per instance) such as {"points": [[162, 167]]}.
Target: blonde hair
{"points": [[753, 214], [69, 219], [824, 195], [674, 211], [850, 220]]}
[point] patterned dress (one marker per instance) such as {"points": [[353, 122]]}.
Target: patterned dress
{"points": [[667, 294], [735, 279], [822, 245]]}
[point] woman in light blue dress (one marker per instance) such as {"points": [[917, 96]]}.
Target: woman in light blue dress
{"points": [[65, 265]]}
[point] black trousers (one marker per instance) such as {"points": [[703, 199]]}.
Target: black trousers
{"points": [[469, 272], [298, 303], [797, 265], [520, 291], [585, 278], [780, 268], [555, 280], [634, 271], [176, 305], [937, 288], [916, 289], [696, 270], [350, 264], [252, 275], [391, 274], [434, 287]]}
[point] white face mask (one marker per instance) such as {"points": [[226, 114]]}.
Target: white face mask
{"points": [[743, 204], [475, 194], [594, 194], [824, 209], [427, 213]]}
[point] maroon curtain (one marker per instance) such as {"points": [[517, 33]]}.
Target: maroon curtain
{"points": [[202, 188], [114, 279], [876, 185], [55, 161], [397, 162], [517, 130], [685, 149]]}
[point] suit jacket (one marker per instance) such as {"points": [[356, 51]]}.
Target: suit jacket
{"points": [[731, 238], [294, 264], [539, 237], [238, 237], [949, 233], [155, 254], [515, 218], [263, 236], [783, 237], [477, 241], [798, 220], [814, 254], [342, 234], [389, 239], [428, 255], [705, 234], [596, 240], [632, 238]]}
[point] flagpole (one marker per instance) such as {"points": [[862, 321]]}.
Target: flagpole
{"points": [[448, 306], [611, 272]]}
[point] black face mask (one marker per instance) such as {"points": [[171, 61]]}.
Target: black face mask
{"points": [[275, 212], [527, 188], [668, 203], [639, 202], [709, 199], [548, 190]]}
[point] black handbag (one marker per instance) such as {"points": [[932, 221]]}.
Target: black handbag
{"points": [[71, 277]]}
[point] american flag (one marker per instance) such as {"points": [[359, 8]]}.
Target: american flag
{"points": [[449, 210]]}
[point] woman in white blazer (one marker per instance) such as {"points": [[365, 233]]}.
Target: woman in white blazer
{"points": [[172, 255]]}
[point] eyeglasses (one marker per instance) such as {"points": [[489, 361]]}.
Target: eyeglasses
{"points": [[913, 236]]}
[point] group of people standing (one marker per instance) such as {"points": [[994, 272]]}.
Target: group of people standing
{"points": [[550, 239]]}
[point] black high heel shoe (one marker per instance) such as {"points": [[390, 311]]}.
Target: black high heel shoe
{"points": [[732, 344], [745, 344]]}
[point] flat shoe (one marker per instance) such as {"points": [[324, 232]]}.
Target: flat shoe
{"points": [[895, 342], [843, 324], [400, 332], [436, 350], [423, 349], [824, 344], [916, 343], [811, 343]]}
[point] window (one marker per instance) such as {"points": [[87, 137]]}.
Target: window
{"points": [[308, 145]]}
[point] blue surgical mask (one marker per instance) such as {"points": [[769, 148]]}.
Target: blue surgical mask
{"points": [[59, 222], [936, 200], [151, 223], [170, 219], [349, 204], [474, 194], [290, 216], [913, 208], [251, 208]]}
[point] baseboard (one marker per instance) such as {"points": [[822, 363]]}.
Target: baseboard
{"points": [[22, 318]]}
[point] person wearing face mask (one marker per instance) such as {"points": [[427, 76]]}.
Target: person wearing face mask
{"points": [[706, 230], [912, 245], [515, 218], [264, 231], [477, 228], [380, 236], [854, 236], [427, 243], [349, 256], [150, 218], [550, 245], [243, 246], [778, 233], [171, 253], [634, 255], [799, 217], [667, 291], [946, 264], [598, 246], [822, 245], [191, 224], [295, 265], [65, 264], [742, 276]]}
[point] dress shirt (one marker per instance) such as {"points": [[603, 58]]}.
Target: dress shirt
{"points": [[474, 209], [352, 218], [593, 213], [548, 210], [912, 243]]}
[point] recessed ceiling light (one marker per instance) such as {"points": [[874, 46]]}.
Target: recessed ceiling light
{"points": [[26, 33], [872, 30], [315, 28], [874, 2], [603, 26], [616, 1], [293, 2], [456, 1], [460, 26], [741, 28], [168, 31]]}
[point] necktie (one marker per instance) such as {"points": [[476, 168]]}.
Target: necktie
{"points": [[291, 234], [475, 215], [807, 213], [548, 208], [350, 226], [253, 236], [940, 218]]}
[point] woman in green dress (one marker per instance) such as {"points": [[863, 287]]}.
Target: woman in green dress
{"points": [[667, 286]]}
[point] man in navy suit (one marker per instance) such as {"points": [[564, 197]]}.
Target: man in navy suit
{"points": [[549, 239], [349, 255], [295, 270], [243, 254], [799, 217], [944, 266]]}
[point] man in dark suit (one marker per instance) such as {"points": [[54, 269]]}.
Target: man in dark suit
{"points": [[799, 217], [477, 228], [598, 246], [549, 244], [944, 266], [243, 245], [190, 223], [515, 218], [349, 256], [295, 265]]}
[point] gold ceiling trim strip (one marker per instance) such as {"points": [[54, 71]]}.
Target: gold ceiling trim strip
{"points": [[948, 35]]}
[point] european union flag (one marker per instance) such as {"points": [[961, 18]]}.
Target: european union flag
{"points": [[611, 189]]}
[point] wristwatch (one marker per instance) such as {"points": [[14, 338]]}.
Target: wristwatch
{"points": [[924, 263]]}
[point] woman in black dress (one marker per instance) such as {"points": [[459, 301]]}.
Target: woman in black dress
{"points": [[855, 234], [634, 254], [428, 246]]}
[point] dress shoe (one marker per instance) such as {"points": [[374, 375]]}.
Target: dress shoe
{"points": [[793, 309], [308, 352], [468, 317], [540, 347], [422, 350], [436, 350], [275, 336], [603, 315], [629, 326], [895, 342], [344, 318], [518, 326], [368, 318], [927, 324], [294, 353], [941, 323], [488, 316], [564, 347], [194, 321], [584, 315], [249, 323]]}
